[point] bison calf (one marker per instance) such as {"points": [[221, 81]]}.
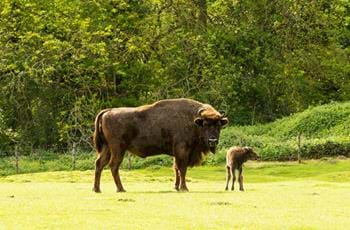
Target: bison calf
{"points": [[235, 158]]}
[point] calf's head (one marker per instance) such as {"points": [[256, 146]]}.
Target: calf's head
{"points": [[251, 155], [210, 122]]}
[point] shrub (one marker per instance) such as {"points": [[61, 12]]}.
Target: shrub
{"points": [[328, 148], [325, 132]]}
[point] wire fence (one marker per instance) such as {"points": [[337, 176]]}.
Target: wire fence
{"points": [[22, 160], [39, 160]]}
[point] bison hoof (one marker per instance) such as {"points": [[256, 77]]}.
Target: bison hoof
{"points": [[183, 190], [241, 189], [96, 190], [226, 188], [121, 190], [177, 188]]}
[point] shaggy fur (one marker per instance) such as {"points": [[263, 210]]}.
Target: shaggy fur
{"points": [[235, 158], [182, 128]]}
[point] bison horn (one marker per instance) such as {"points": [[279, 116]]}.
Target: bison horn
{"points": [[246, 148], [222, 112], [200, 111]]}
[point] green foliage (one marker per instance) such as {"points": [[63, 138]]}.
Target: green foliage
{"points": [[325, 132], [328, 148], [46, 161], [326, 135], [62, 61], [149, 162]]}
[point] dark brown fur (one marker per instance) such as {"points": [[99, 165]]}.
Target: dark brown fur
{"points": [[182, 128], [235, 158]]}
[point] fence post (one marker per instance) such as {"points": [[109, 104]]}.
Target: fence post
{"points": [[74, 151], [17, 158], [299, 147]]}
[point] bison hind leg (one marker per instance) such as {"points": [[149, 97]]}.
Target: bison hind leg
{"points": [[102, 160], [117, 155]]}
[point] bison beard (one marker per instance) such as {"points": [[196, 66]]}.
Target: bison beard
{"points": [[182, 128]]}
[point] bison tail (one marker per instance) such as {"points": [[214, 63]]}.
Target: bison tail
{"points": [[99, 140]]}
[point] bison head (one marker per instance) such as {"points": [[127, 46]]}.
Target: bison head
{"points": [[210, 122]]}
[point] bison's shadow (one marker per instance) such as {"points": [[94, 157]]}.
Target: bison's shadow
{"points": [[171, 191]]}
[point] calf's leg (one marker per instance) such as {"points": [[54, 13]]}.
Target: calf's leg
{"points": [[240, 179], [228, 176], [233, 178], [101, 161]]}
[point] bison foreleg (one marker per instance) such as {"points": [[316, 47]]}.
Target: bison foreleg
{"points": [[181, 153], [183, 186], [182, 165], [177, 176]]}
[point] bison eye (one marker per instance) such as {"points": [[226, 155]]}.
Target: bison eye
{"points": [[199, 122], [223, 121]]}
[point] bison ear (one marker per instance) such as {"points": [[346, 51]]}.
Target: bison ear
{"points": [[199, 121], [223, 121]]}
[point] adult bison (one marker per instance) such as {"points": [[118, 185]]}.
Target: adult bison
{"points": [[182, 128]]}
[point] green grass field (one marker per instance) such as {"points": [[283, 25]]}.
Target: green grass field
{"points": [[312, 195]]}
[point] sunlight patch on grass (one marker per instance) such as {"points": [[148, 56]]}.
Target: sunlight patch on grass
{"points": [[286, 196], [259, 172], [146, 205]]}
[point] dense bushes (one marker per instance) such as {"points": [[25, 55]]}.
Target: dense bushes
{"points": [[328, 148], [61, 61], [325, 131], [46, 161]]}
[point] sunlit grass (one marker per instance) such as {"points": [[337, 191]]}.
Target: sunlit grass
{"points": [[313, 195]]}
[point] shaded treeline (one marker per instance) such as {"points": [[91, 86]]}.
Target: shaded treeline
{"points": [[61, 61]]}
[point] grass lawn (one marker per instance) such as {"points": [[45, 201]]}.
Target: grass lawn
{"points": [[312, 195]]}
